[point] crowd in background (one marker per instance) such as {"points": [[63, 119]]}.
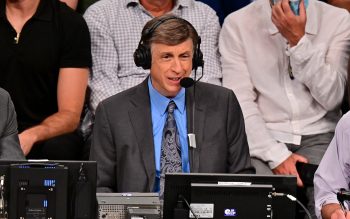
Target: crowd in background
{"points": [[287, 65]]}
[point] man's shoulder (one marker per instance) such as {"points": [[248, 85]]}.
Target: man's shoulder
{"points": [[334, 21], [212, 91], [69, 17], [330, 13], [198, 14], [343, 125], [4, 104], [248, 16], [325, 7], [122, 97], [211, 87], [198, 5], [4, 95], [105, 7]]}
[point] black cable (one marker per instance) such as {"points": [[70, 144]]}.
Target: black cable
{"points": [[188, 205], [194, 143], [82, 175], [194, 95], [292, 198], [76, 189]]}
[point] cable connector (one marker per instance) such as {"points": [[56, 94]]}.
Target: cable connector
{"points": [[2, 197], [277, 194], [292, 198]]}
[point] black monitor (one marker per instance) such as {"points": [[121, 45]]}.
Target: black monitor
{"points": [[28, 187], [179, 185]]}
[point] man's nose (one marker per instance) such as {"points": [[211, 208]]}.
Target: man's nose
{"points": [[177, 65]]}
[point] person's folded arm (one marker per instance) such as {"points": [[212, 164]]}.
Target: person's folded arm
{"points": [[322, 67], [71, 89]]}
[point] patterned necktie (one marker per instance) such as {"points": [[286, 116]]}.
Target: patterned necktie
{"points": [[170, 161]]}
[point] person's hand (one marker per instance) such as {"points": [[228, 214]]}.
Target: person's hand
{"points": [[288, 167], [339, 214], [291, 26], [27, 141]]}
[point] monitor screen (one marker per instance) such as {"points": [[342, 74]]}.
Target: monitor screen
{"points": [[31, 184], [179, 184]]}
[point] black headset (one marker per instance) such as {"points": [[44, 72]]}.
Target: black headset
{"points": [[143, 56]]}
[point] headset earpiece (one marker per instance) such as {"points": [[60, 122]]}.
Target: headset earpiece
{"points": [[143, 57], [197, 60]]}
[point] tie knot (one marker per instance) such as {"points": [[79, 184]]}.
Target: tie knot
{"points": [[171, 106]]}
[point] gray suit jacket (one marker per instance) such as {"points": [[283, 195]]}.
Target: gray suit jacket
{"points": [[9, 143], [122, 141]]}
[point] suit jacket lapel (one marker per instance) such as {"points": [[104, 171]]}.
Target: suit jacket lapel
{"points": [[140, 117], [199, 120]]}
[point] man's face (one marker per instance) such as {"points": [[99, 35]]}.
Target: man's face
{"points": [[169, 65]]}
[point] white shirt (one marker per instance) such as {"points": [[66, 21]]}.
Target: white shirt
{"points": [[255, 59]]}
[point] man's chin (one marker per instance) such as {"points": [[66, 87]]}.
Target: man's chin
{"points": [[173, 92]]}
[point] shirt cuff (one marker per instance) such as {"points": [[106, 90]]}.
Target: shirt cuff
{"points": [[296, 48], [330, 201], [278, 155], [318, 206], [300, 57]]}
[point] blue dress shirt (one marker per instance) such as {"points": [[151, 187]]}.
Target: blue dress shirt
{"points": [[159, 104]]}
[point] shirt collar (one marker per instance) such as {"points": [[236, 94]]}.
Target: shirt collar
{"points": [[162, 102], [43, 12], [311, 22]]}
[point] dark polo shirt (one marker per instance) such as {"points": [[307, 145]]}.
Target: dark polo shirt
{"points": [[55, 37]]}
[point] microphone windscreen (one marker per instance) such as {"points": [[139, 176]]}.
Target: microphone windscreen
{"points": [[186, 82]]}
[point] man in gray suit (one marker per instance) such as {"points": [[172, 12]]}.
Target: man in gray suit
{"points": [[9, 143], [130, 132]]}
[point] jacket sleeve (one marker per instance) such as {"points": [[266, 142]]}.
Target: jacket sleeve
{"points": [[103, 151], [239, 157], [9, 143]]}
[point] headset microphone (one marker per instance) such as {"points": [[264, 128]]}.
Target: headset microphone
{"points": [[186, 82]]}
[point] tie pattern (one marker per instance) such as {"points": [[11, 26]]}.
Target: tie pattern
{"points": [[170, 161]]}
